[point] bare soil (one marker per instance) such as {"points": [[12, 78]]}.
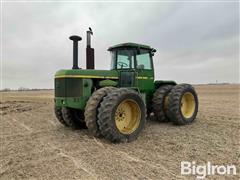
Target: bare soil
{"points": [[34, 145]]}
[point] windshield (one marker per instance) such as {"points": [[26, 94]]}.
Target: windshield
{"points": [[131, 59], [122, 59]]}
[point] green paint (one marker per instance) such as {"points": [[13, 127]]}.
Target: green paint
{"points": [[77, 103]]}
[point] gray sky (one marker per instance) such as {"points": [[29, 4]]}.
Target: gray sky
{"points": [[195, 42]]}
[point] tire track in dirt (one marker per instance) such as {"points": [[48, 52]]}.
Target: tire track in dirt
{"points": [[22, 125], [126, 156], [78, 164]]}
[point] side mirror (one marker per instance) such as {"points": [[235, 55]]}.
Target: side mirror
{"points": [[153, 51]]}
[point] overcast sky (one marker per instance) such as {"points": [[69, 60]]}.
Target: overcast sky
{"points": [[195, 42]]}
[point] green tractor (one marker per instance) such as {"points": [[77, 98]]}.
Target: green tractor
{"points": [[116, 103]]}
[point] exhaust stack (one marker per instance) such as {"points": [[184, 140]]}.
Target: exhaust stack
{"points": [[89, 51], [75, 40]]}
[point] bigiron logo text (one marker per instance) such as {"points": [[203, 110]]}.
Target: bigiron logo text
{"points": [[201, 171]]}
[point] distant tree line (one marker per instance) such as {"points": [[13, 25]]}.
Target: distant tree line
{"points": [[23, 89], [6, 89]]}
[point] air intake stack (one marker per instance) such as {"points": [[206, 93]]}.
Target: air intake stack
{"points": [[75, 40], [89, 51]]}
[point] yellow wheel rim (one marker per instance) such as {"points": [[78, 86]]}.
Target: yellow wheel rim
{"points": [[187, 105], [127, 116]]}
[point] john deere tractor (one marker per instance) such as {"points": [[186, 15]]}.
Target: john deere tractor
{"points": [[115, 103]]}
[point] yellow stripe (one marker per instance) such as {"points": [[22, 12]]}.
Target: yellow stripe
{"points": [[98, 77], [142, 77], [86, 76]]}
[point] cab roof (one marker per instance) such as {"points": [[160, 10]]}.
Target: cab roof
{"points": [[131, 45]]}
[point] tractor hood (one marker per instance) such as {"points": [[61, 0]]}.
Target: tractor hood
{"points": [[87, 73]]}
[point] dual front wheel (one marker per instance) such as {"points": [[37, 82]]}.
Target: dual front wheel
{"points": [[121, 115]]}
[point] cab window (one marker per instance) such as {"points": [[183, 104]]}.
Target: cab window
{"points": [[143, 60], [125, 59]]}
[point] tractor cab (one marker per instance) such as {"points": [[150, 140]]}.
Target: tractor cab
{"points": [[134, 64], [131, 56]]}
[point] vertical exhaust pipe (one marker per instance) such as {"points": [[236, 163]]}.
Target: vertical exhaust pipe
{"points": [[89, 51], [75, 40]]}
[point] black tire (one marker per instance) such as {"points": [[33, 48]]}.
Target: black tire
{"points": [[91, 110], [176, 96], [159, 106], [106, 115], [73, 118], [58, 114]]}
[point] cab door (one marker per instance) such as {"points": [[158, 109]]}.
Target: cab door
{"points": [[125, 66], [127, 78], [144, 69]]}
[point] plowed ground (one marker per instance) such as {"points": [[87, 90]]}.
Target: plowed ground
{"points": [[34, 145]]}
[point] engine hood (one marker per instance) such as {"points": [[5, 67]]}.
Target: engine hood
{"points": [[87, 73]]}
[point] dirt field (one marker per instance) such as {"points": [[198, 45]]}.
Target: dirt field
{"points": [[34, 145]]}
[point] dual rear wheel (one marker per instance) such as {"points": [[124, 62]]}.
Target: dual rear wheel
{"points": [[178, 104]]}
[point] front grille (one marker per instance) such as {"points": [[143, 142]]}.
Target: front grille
{"points": [[68, 87], [59, 87]]}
